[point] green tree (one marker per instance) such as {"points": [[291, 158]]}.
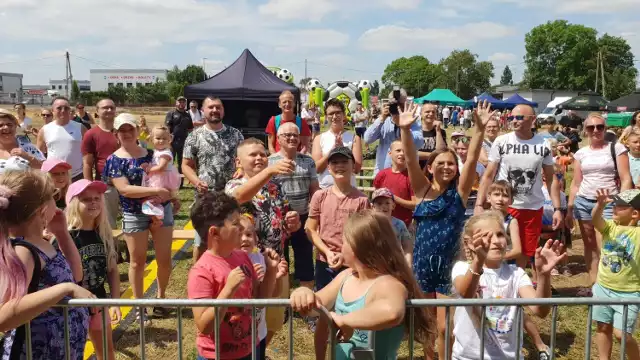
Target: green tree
{"points": [[375, 88], [192, 74], [619, 71], [560, 55], [464, 74], [415, 74], [75, 91], [507, 76]]}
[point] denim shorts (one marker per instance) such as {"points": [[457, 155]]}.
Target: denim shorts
{"points": [[612, 314], [133, 223], [582, 208]]}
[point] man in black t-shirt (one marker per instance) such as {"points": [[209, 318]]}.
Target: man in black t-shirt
{"points": [[180, 125], [434, 136]]}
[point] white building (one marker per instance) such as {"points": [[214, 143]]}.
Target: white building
{"points": [[102, 79], [10, 88]]}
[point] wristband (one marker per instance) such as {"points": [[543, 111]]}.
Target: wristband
{"points": [[475, 273]]}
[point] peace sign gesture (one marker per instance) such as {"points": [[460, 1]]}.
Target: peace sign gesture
{"points": [[407, 118], [483, 114]]}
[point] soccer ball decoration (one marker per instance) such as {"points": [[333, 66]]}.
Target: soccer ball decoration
{"points": [[364, 84], [285, 75], [312, 85]]}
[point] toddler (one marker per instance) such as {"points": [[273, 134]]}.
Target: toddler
{"points": [[160, 173]]}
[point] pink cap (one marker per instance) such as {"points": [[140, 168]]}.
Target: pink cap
{"points": [[81, 185], [51, 163], [457, 133]]}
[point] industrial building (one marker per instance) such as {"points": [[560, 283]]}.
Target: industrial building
{"points": [[102, 79], [10, 88], [61, 85]]}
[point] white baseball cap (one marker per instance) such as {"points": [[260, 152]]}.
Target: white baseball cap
{"points": [[125, 118]]}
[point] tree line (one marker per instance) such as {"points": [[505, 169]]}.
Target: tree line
{"points": [[559, 55]]}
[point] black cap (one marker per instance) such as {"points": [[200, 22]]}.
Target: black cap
{"points": [[181, 98], [628, 198], [341, 151]]}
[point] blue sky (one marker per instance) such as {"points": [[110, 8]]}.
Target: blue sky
{"points": [[341, 39]]}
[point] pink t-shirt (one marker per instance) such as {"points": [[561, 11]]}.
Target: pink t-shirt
{"points": [[332, 213], [206, 280], [598, 170]]}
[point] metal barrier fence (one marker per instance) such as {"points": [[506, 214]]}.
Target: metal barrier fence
{"points": [[180, 304]]}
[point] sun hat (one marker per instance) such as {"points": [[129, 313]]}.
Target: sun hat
{"points": [[125, 118]]}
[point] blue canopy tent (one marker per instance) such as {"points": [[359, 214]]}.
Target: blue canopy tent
{"points": [[516, 99], [485, 96]]}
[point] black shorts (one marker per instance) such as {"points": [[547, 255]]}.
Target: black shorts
{"points": [[325, 274]]}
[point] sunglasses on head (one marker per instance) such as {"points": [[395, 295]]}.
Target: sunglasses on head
{"points": [[590, 128]]}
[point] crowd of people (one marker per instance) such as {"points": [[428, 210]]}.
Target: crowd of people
{"points": [[450, 217]]}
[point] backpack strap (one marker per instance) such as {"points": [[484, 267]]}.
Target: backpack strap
{"points": [[278, 118], [21, 331], [612, 148]]}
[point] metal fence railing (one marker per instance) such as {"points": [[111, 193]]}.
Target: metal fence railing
{"points": [[180, 304]]}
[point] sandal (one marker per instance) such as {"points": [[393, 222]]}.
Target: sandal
{"points": [[145, 317]]}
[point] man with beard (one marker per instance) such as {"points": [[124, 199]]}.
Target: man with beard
{"points": [[180, 125], [98, 144], [435, 137], [209, 155]]}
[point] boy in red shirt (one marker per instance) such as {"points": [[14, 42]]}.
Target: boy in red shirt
{"points": [[225, 272], [396, 179]]}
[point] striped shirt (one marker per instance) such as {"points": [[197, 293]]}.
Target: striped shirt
{"points": [[295, 187]]}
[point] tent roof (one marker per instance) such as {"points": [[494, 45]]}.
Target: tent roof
{"points": [[516, 99], [441, 96], [629, 102], [245, 79], [585, 101], [495, 103]]}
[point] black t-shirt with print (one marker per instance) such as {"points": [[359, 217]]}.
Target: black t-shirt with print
{"points": [[430, 142], [94, 260]]}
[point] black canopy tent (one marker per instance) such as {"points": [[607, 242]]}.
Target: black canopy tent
{"points": [[248, 90]]}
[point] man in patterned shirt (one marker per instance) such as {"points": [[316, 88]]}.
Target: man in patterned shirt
{"points": [[297, 188], [209, 156]]}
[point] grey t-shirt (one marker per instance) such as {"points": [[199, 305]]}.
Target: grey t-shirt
{"points": [[295, 187]]}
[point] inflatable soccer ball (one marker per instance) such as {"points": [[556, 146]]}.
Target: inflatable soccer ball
{"points": [[274, 69], [312, 85], [285, 75], [364, 84]]}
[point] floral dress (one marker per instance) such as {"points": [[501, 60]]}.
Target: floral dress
{"points": [[269, 208], [47, 329], [439, 224], [116, 167]]}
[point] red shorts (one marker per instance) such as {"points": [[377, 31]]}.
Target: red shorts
{"points": [[530, 224]]}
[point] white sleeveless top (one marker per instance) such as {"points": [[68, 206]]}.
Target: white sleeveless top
{"points": [[64, 143], [327, 140]]}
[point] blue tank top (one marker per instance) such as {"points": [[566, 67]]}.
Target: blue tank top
{"points": [[387, 342]]}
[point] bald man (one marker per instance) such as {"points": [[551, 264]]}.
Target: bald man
{"points": [[297, 188], [287, 103], [523, 158]]}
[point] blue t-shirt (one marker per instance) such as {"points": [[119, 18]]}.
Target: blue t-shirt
{"points": [[116, 167], [400, 228]]}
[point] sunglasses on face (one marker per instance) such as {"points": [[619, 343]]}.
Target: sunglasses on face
{"points": [[590, 128], [46, 115], [516, 117]]}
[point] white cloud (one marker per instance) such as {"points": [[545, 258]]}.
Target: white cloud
{"points": [[399, 4], [291, 9], [398, 38], [502, 57], [578, 6]]}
